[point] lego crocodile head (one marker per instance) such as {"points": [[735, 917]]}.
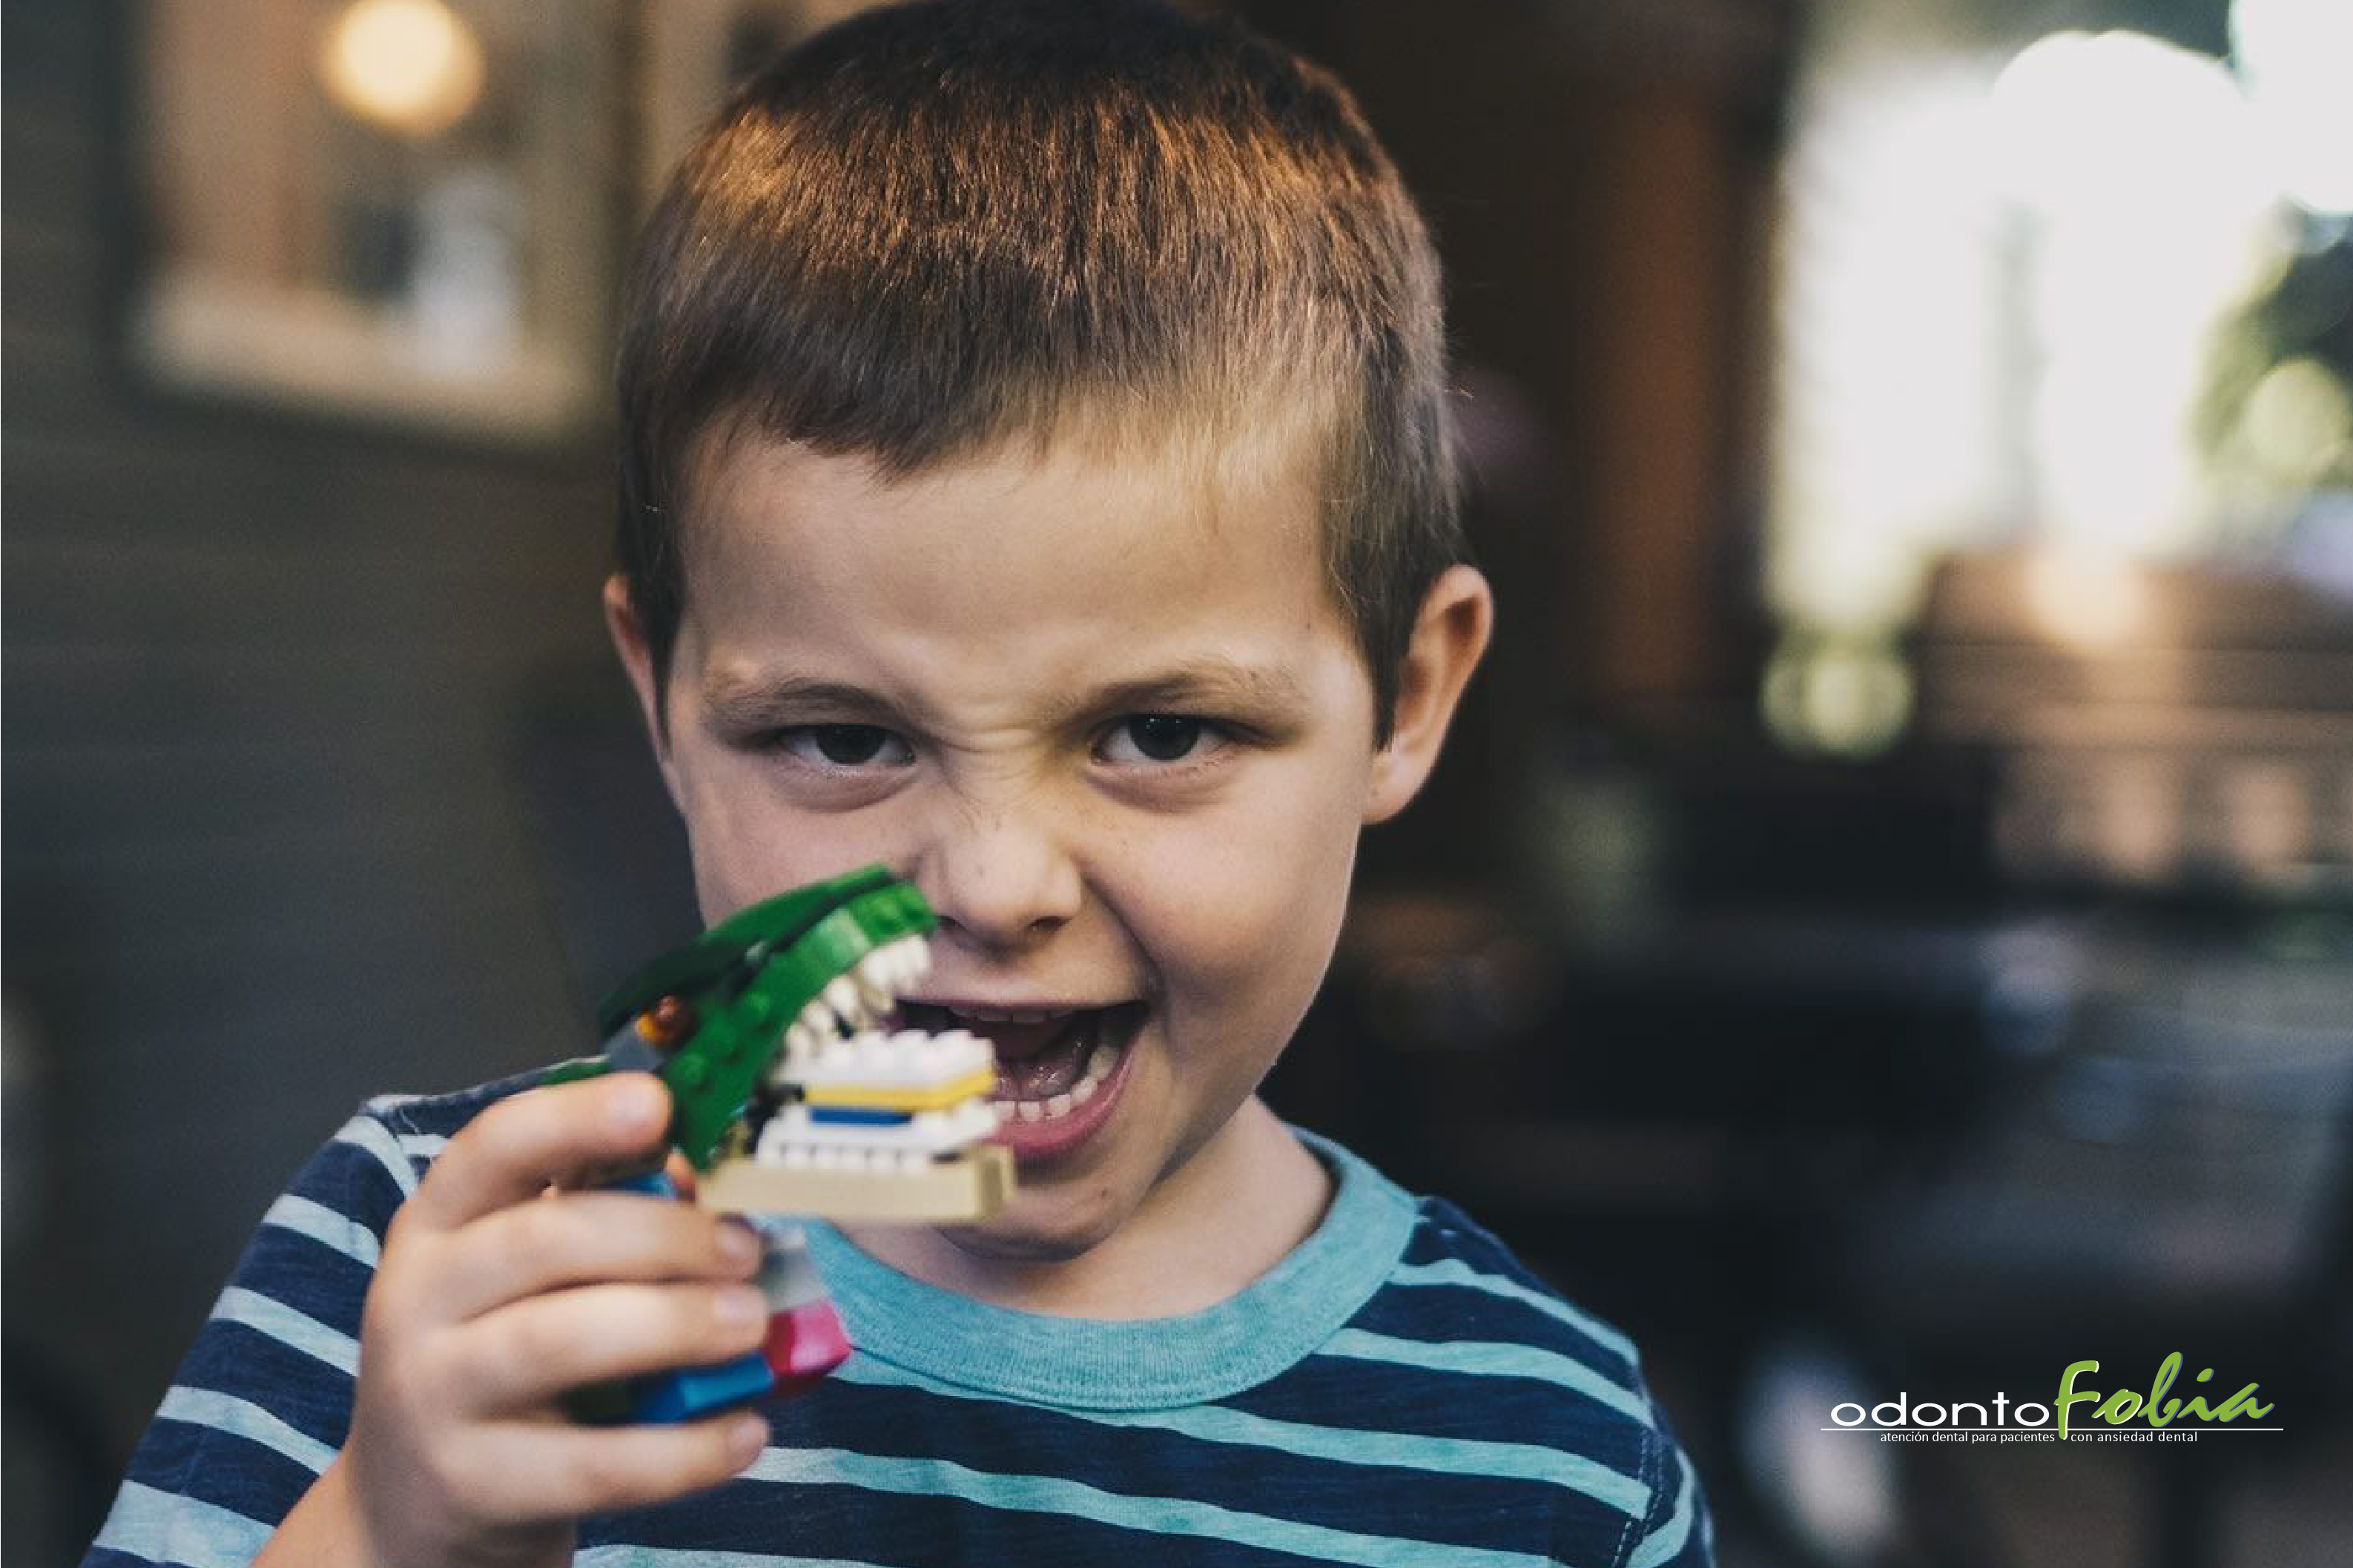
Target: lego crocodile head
{"points": [[786, 1089]]}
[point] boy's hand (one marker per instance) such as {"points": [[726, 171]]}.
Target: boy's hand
{"points": [[494, 1297]]}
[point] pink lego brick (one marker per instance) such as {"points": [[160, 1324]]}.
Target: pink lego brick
{"points": [[804, 1343]]}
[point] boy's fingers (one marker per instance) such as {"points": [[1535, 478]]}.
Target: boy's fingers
{"points": [[567, 1471], [529, 1352], [564, 1131], [582, 1238]]}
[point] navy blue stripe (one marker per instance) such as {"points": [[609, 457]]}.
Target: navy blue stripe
{"points": [[331, 1287], [986, 1435], [349, 1179], [908, 1532], [1445, 1231], [1395, 1399], [217, 1468], [299, 1389], [446, 1113], [1441, 1313]]}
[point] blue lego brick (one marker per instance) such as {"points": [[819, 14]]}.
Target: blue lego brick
{"points": [[859, 1116], [692, 1392]]}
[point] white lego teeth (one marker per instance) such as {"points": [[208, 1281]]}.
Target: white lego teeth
{"points": [[841, 996]]}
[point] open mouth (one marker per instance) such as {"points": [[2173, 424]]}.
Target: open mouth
{"points": [[870, 1082], [1050, 1062]]}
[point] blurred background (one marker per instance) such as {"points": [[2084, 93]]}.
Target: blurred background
{"points": [[1885, 922]]}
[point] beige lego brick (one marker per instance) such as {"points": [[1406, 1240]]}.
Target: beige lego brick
{"points": [[971, 1186]]}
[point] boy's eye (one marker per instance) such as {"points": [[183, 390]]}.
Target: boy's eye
{"points": [[844, 745], [1157, 738]]}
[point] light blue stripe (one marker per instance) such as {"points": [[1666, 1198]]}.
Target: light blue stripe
{"points": [[1489, 1358], [1403, 1451], [162, 1528], [1661, 1547], [242, 1418], [1158, 1515], [425, 1146], [325, 1227], [368, 1134], [1454, 1271], [288, 1328], [669, 1557]]}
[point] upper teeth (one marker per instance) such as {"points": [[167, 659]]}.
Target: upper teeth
{"points": [[1011, 1014]]}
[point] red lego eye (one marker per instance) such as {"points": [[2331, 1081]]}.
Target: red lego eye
{"points": [[665, 1024]]}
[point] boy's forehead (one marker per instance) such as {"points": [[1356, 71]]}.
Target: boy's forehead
{"points": [[985, 588], [1081, 496]]}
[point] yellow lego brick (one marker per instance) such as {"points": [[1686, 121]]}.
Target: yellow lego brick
{"points": [[894, 1097], [971, 1185]]}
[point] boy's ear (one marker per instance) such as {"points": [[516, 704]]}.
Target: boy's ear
{"points": [[636, 658], [1449, 635]]}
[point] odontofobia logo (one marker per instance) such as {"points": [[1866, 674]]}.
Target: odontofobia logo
{"points": [[2125, 1415]]}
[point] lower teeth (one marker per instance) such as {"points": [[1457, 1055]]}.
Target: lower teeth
{"points": [[1101, 1060]]}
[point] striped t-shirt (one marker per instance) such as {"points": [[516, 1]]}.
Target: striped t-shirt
{"points": [[1398, 1391]]}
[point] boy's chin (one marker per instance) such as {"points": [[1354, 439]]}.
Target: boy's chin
{"points": [[1033, 1232]]}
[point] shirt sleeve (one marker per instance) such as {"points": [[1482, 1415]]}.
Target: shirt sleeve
{"points": [[1677, 1531], [263, 1400]]}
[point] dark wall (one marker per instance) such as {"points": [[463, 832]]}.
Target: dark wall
{"points": [[271, 686]]}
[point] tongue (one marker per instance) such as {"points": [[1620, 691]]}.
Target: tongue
{"points": [[1038, 1061]]}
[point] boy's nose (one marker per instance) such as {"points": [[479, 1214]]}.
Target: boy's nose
{"points": [[999, 881]]}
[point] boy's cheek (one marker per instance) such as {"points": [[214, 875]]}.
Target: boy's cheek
{"points": [[744, 851]]}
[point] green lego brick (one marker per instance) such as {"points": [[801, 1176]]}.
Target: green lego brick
{"points": [[779, 922]]}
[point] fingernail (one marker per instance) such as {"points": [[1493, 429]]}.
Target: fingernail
{"points": [[746, 1435], [739, 1248], [739, 1305]]}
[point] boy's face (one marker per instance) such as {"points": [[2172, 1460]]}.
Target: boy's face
{"points": [[1103, 714]]}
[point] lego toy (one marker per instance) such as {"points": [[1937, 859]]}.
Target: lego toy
{"points": [[791, 1100]]}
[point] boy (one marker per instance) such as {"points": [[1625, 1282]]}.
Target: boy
{"points": [[1037, 480]]}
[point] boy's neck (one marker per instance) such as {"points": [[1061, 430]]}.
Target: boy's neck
{"points": [[1229, 1214]]}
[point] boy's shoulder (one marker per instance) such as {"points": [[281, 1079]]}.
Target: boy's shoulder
{"points": [[429, 1115], [1452, 1275], [397, 1136], [1462, 1338], [1456, 1301]]}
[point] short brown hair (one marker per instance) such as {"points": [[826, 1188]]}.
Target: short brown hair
{"points": [[935, 227]]}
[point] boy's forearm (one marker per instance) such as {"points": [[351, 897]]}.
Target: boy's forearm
{"points": [[323, 1527]]}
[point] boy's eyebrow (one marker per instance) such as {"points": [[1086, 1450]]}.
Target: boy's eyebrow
{"points": [[741, 701], [747, 701], [1210, 683]]}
